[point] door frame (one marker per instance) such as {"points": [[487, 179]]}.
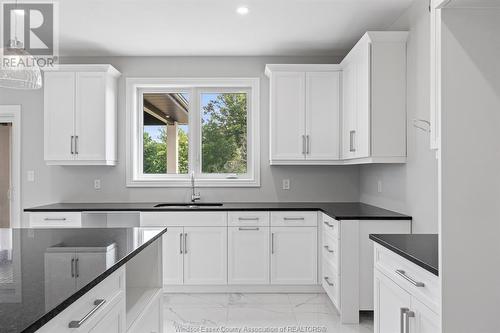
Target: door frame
{"points": [[12, 114]]}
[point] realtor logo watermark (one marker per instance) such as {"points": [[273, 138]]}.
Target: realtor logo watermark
{"points": [[32, 28]]}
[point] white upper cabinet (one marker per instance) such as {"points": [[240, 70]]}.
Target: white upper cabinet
{"points": [[304, 115], [80, 115], [374, 99]]}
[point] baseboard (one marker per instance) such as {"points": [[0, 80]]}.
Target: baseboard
{"points": [[244, 289]]}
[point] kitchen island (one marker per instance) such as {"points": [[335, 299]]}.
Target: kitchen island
{"points": [[80, 279]]}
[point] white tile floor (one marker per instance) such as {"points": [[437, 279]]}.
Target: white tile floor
{"points": [[265, 312]]}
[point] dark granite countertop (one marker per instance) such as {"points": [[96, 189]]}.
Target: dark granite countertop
{"points": [[337, 210], [25, 302], [421, 249]]}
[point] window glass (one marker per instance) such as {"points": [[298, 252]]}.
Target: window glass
{"points": [[165, 133], [224, 132]]}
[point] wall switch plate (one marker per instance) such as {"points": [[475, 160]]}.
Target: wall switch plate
{"points": [[30, 176], [286, 184], [97, 184], [379, 186]]}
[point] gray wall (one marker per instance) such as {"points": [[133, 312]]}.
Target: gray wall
{"points": [[410, 188], [75, 184], [470, 171]]}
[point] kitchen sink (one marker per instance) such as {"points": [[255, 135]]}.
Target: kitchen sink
{"points": [[189, 204]]}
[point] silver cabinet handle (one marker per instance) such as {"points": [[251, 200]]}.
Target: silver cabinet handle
{"points": [[308, 145], [405, 316], [303, 144], [73, 267], [327, 279], [248, 229], [293, 218], [76, 145], [351, 141], [185, 242], [54, 219], [328, 224], [402, 273], [72, 144], [77, 268], [77, 323], [180, 243], [328, 249], [248, 218], [272, 243]]}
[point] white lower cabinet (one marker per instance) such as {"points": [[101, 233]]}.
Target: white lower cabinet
{"points": [[391, 301], [402, 306], [248, 255], [173, 256], [294, 255], [205, 255], [195, 256]]}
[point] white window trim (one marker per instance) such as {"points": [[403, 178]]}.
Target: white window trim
{"points": [[135, 177]]}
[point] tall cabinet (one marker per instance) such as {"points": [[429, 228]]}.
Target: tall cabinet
{"points": [[80, 103], [304, 116]]}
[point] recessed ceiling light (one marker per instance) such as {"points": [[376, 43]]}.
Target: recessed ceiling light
{"points": [[242, 10]]}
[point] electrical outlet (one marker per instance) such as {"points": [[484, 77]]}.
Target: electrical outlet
{"points": [[379, 186], [30, 175], [286, 184], [97, 184]]}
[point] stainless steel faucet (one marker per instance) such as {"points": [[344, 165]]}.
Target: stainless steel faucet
{"points": [[194, 196]]}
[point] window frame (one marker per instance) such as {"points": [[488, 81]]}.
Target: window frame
{"points": [[136, 87]]}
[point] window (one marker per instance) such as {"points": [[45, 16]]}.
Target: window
{"points": [[202, 127]]}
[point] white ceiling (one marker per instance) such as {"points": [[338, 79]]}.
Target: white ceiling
{"points": [[212, 27]]}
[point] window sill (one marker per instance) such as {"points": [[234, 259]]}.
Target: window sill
{"points": [[198, 183]]}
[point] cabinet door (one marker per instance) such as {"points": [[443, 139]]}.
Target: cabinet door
{"points": [[173, 256], [322, 115], [113, 321], [205, 255], [389, 300], [60, 282], [59, 114], [349, 110], [248, 255], [294, 255], [287, 116], [90, 124], [88, 266], [362, 136], [426, 320]]}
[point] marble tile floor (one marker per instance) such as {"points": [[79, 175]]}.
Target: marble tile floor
{"points": [[256, 313]]}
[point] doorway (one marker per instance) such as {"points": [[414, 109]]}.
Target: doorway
{"points": [[10, 166]]}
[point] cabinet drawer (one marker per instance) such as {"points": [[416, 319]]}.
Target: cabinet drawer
{"points": [[188, 219], [294, 219], [330, 226], [56, 220], [390, 263], [110, 290], [330, 249], [330, 282], [254, 219]]}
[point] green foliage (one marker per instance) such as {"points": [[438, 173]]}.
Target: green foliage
{"points": [[224, 134], [224, 139]]}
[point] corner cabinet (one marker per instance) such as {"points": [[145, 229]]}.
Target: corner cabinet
{"points": [[374, 99], [304, 117], [80, 106], [348, 113]]}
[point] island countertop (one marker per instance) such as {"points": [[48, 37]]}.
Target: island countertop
{"points": [[337, 210], [421, 249], [23, 277]]}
